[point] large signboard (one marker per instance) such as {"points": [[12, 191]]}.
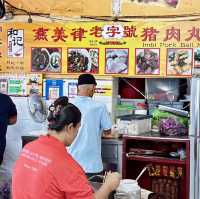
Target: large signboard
{"points": [[151, 49]]}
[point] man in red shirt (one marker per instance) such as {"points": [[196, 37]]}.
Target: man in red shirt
{"points": [[45, 170]]}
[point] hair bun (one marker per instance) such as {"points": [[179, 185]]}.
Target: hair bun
{"points": [[62, 101], [55, 113]]}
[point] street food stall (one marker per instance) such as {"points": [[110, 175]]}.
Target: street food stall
{"points": [[147, 75]]}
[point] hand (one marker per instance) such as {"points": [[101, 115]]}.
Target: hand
{"points": [[112, 180]]}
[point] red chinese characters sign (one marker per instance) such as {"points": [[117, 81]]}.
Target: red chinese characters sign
{"points": [[113, 31]]}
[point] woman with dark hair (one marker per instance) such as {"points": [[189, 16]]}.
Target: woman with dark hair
{"points": [[45, 170], [55, 108]]}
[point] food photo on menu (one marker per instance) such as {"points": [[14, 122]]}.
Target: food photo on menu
{"points": [[179, 61], [83, 60], [117, 60], [147, 61], [197, 58], [46, 59]]}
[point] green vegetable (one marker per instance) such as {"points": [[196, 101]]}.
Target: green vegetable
{"points": [[158, 115]]}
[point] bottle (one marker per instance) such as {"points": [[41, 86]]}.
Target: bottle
{"points": [[119, 100]]}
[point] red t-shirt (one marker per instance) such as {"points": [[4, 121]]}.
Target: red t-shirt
{"points": [[45, 170]]}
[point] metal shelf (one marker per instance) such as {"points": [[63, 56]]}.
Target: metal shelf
{"points": [[154, 159]]}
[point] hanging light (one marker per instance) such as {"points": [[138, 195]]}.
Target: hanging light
{"points": [[30, 20]]}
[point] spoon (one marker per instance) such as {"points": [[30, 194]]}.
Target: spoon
{"points": [[143, 170]]}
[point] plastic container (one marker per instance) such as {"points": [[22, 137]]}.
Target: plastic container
{"points": [[130, 188], [134, 124], [121, 196], [154, 104], [124, 109]]}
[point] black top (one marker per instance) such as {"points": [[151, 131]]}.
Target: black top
{"points": [[7, 109]]}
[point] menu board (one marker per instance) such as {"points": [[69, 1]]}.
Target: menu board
{"points": [[142, 49]]}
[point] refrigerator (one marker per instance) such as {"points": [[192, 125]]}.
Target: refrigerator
{"points": [[194, 135]]}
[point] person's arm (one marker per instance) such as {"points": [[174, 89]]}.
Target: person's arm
{"points": [[78, 187], [106, 123], [12, 120], [103, 192], [12, 113], [111, 183], [107, 134], [107, 131]]}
